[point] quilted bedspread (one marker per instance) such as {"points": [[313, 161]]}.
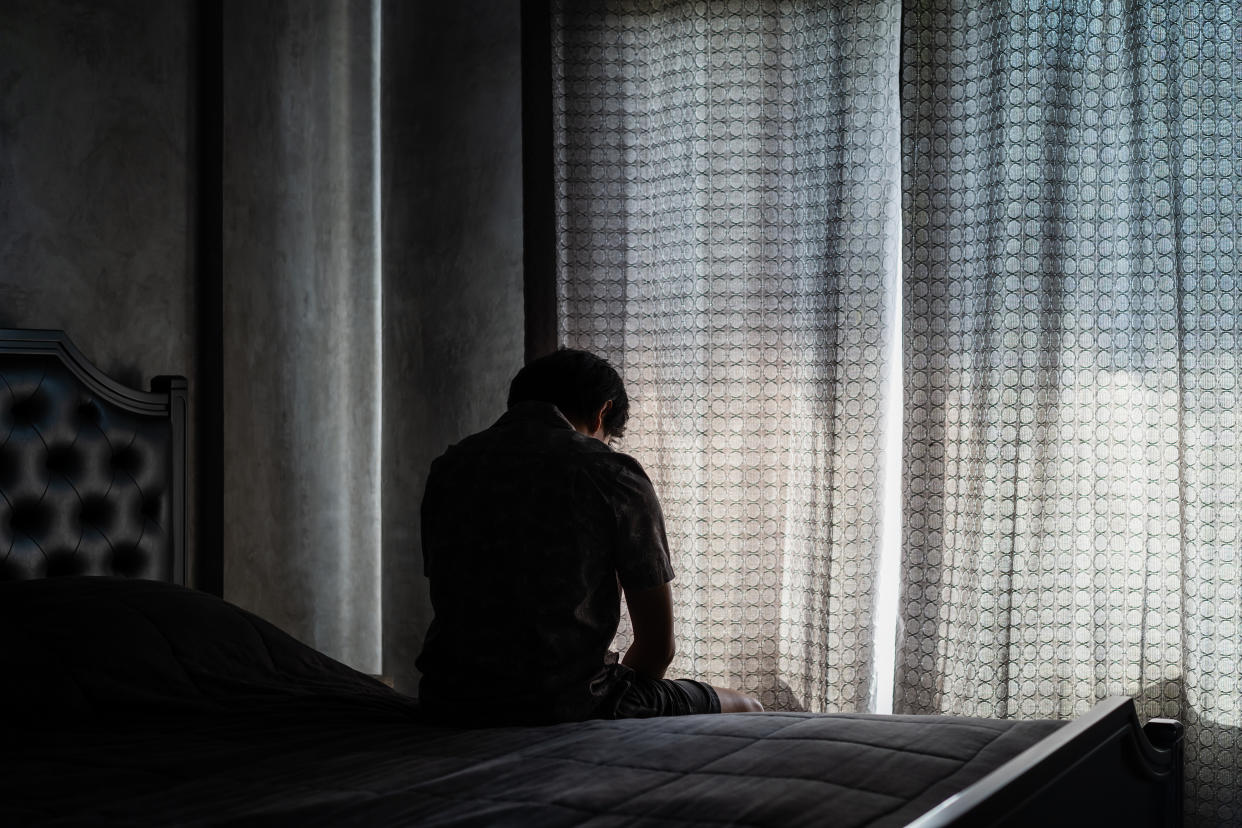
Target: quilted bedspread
{"points": [[215, 717]]}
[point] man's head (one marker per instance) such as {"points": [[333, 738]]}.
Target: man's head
{"points": [[586, 389]]}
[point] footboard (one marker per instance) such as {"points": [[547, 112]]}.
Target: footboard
{"points": [[1100, 769]]}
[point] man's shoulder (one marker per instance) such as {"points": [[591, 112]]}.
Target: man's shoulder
{"points": [[567, 450], [557, 442], [621, 462], [621, 480]]}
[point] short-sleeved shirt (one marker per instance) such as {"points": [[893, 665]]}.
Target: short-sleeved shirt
{"points": [[530, 529]]}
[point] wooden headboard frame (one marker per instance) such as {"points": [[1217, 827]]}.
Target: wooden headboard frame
{"points": [[84, 456]]}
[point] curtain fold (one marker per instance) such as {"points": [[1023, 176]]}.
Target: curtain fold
{"points": [[728, 181], [727, 223], [301, 411], [1071, 207]]}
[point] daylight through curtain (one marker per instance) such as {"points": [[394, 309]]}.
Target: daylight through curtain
{"points": [[728, 236], [1071, 199], [1070, 205]]}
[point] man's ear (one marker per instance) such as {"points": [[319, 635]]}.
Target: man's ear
{"points": [[599, 416]]}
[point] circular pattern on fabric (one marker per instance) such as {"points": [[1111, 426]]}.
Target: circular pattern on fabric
{"points": [[727, 198], [1072, 329]]}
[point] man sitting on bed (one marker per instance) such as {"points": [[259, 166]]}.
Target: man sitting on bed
{"points": [[531, 531]]}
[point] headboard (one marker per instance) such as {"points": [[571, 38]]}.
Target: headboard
{"points": [[92, 473]]}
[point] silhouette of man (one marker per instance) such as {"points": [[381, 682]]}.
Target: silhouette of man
{"points": [[532, 530]]}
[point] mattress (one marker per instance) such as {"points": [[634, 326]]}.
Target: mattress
{"points": [[143, 703]]}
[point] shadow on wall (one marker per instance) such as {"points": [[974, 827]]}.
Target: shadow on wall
{"points": [[1213, 755], [127, 373]]}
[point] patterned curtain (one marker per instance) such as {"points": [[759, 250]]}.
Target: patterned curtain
{"points": [[1072, 200], [1070, 206], [728, 226]]}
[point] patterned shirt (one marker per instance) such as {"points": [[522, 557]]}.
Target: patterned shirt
{"points": [[528, 528]]}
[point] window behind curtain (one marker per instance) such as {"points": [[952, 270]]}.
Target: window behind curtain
{"points": [[727, 183]]}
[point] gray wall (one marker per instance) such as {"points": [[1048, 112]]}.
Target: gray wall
{"points": [[453, 318], [96, 221], [95, 179], [313, 447], [301, 324]]}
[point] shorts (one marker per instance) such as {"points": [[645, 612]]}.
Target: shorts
{"points": [[648, 697]]}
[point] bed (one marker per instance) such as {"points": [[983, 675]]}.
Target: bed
{"points": [[132, 699]]}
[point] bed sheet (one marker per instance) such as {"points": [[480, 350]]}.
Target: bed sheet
{"points": [[305, 764], [136, 703]]}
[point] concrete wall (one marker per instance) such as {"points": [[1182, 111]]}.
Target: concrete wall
{"points": [[95, 181], [343, 383]]}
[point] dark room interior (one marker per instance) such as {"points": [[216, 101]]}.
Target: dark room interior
{"points": [[347, 224]]}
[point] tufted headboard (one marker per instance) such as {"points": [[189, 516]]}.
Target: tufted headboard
{"points": [[92, 473]]}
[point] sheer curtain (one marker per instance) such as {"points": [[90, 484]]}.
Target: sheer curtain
{"points": [[727, 178], [1069, 201], [1071, 263]]}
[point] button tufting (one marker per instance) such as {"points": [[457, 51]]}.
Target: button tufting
{"points": [[97, 512], [128, 560], [29, 410], [88, 414], [84, 486], [126, 460], [30, 517], [9, 470], [64, 562], [64, 460]]}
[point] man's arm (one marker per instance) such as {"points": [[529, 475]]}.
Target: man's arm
{"points": [[651, 613]]}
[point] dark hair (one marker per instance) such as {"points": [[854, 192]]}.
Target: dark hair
{"points": [[576, 382]]}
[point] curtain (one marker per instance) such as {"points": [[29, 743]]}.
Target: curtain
{"points": [[728, 237], [300, 304], [1072, 202], [1069, 213], [372, 228]]}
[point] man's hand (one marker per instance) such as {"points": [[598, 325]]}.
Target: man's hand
{"points": [[651, 613]]}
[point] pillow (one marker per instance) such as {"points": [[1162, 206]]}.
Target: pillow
{"points": [[87, 647]]}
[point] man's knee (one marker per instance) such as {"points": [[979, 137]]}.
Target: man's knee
{"points": [[731, 701]]}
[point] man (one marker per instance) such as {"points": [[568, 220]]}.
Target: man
{"points": [[531, 531]]}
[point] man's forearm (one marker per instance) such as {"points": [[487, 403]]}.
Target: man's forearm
{"points": [[649, 661], [651, 614]]}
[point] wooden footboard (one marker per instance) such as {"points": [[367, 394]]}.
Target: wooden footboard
{"points": [[1100, 769]]}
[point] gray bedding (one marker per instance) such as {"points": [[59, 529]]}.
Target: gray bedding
{"points": [[221, 719]]}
